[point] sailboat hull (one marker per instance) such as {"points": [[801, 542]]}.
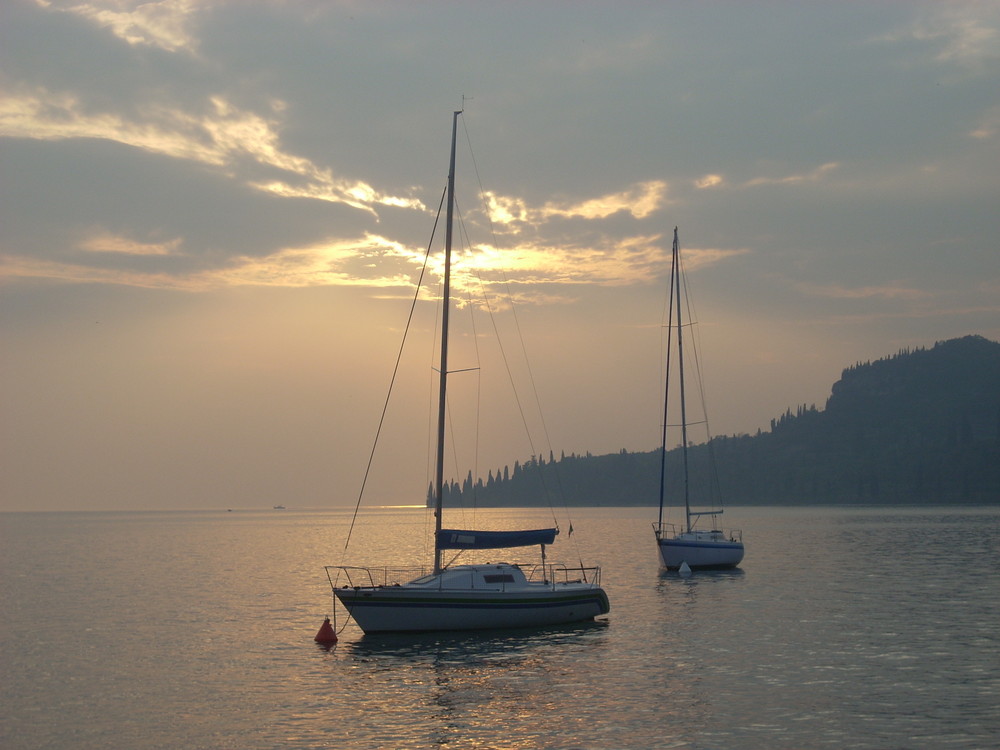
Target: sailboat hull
{"points": [[700, 554], [700, 551], [400, 611], [464, 598]]}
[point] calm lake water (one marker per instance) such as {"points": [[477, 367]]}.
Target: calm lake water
{"points": [[846, 628]]}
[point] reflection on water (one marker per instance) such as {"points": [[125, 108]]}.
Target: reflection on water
{"points": [[867, 626], [704, 588], [474, 688], [709, 577], [471, 646], [857, 628]]}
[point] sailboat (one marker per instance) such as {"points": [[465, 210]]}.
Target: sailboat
{"points": [[687, 547], [468, 596]]}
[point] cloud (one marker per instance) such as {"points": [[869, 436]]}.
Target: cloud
{"points": [[964, 34], [105, 242], [814, 176], [964, 37], [696, 258], [607, 261], [641, 200], [370, 261], [162, 23], [709, 181], [19, 267], [892, 290], [376, 262], [713, 181], [989, 125], [224, 136]]}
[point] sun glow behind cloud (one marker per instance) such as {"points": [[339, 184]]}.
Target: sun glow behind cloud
{"points": [[640, 201], [609, 262], [376, 262], [241, 142]]}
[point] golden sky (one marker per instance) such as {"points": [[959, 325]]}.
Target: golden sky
{"points": [[214, 213]]}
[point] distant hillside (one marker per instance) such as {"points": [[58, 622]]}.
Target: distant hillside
{"points": [[921, 426]]}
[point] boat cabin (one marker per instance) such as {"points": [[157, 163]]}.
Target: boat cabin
{"points": [[489, 577]]}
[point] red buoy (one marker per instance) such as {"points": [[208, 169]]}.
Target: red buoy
{"points": [[326, 634]]}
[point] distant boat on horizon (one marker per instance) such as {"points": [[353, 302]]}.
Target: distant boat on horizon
{"points": [[698, 549]]}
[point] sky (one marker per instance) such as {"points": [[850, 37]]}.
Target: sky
{"points": [[214, 213]]}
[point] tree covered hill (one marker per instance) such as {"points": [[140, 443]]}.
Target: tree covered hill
{"points": [[922, 426]]}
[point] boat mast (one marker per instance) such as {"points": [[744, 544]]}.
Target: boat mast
{"points": [[666, 389], [676, 283], [443, 374]]}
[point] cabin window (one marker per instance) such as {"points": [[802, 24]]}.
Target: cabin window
{"points": [[498, 578]]}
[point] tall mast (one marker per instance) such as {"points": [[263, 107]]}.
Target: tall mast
{"points": [[666, 383], [676, 280], [443, 374]]}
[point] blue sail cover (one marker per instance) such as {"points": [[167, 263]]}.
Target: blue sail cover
{"points": [[458, 539]]}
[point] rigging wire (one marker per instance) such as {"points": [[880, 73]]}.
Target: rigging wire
{"points": [[531, 379], [463, 236], [490, 309], [694, 348], [395, 372]]}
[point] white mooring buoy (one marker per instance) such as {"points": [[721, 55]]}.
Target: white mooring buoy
{"points": [[684, 569]]}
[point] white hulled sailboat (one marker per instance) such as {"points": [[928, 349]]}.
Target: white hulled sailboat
{"points": [[696, 548], [474, 596]]}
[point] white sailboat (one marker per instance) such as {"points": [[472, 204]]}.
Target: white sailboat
{"points": [[697, 549], [472, 596]]}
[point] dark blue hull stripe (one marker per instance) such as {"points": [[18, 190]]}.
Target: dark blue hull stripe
{"points": [[703, 545], [368, 602]]}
